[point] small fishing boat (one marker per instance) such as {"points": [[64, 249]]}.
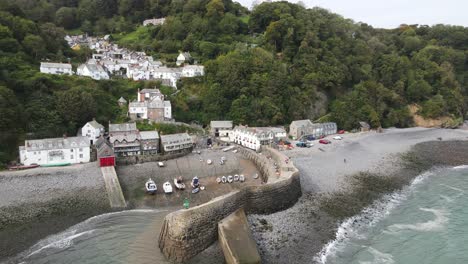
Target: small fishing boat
{"points": [[151, 186], [255, 176], [234, 151], [179, 183], [56, 164], [209, 162], [223, 158], [202, 188], [223, 179], [241, 178], [167, 187], [23, 167], [230, 179], [196, 190], [236, 177], [161, 164], [195, 182], [218, 180], [221, 162]]}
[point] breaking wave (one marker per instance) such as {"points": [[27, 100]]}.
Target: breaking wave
{"points": [[353, 226], [437, 224]]}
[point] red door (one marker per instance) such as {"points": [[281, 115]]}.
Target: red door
{"points": [[107, 161]]}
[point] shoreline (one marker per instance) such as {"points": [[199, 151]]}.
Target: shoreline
{"points": [[314, 221]]}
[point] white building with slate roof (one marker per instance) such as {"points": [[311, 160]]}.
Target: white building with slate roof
{"points": [[92, 130], [52, 151], [95, 71], [221, 129], [56, 68]]}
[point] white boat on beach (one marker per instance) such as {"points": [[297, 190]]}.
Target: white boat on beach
{"points": [[223, 179], [167, 187], [151, 186], [179, 183], [209, 162], [255, 176], [230, 178], [218, 180], [160, 164], [241, 178], [236, 177]]}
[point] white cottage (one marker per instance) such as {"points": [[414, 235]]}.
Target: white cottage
{"points": [[95, 71], [193, 70], [55, 151], [183, 57], [221, 129], [92, 130], [56, 68]]}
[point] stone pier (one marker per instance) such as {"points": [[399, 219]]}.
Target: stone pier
{"points": [[185, 233]]}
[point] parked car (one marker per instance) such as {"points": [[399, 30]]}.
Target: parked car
{"points": [[337, 138], [324, 141], [341, 132], [301, 144]]}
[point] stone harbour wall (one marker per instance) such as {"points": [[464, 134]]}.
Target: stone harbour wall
{"points": [[185, 233], [131, 160]]}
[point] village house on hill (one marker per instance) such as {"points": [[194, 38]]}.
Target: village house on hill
{"points": [[55, 151], [183, 58], [125, 139], [154, 21], [92, 130], [149, 142], [56, 68], [150, 105], [95, 71]]}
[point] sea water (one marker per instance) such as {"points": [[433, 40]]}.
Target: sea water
{"points": [[426, 222], [120, 237]]}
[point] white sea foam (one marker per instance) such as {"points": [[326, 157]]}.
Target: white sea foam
{"points": [[461, 167], [379, 257], [353, 226], [64, 242], [441, 219]]}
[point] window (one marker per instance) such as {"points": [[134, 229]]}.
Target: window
{"points": [[81, 149], [71, 156], [71, 150], [81, 156]]}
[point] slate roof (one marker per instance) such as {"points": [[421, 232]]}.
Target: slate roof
{"points": [[301, 123], [56, 65], [56, 143], [179, 138], [125, 127], [95, 124], [147, 135], [221, 124]]}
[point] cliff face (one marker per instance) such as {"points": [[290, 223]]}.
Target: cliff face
{"points": [[185, 233]]}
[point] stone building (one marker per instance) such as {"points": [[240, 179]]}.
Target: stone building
{"points": [[56, 68], [221, 129], [300, 128], [125, 139], [175, 143], [150, 105], [149, 142], [92, 130]]}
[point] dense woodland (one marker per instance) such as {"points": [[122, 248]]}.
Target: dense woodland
{"points": [[276, 63]]}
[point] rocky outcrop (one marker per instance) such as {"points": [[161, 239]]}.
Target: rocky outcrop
{"points": [[185, 233]]}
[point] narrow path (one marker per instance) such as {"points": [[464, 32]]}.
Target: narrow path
{"points": [[114, 192]]}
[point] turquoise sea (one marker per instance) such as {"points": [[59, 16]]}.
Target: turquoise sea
{"points": [[426, 222]]}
